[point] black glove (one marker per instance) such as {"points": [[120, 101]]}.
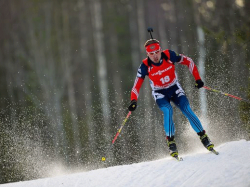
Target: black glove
{"points": [[199, 84], [133, 105]]}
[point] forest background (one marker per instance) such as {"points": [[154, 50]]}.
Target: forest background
{"points": [[67, 69]]}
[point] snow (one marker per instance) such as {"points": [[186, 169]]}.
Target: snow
{"points": [[230, 168]]}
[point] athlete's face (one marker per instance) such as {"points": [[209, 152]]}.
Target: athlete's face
{"points": [[155, 56]]}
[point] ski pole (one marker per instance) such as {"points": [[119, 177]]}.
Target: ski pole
{"points": [[226, 94], [118, 132]]}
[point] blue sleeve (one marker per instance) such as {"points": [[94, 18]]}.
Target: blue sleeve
{"points": [[174, 57], [142, 71]]}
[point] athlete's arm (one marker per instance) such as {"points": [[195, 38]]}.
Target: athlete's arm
{"points": [[191, 66], [184, 60], [141, 73]]}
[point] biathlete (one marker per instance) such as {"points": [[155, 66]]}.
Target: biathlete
{"points": [[159, 66]]}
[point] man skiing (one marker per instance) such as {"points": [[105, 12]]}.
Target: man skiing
{"points": [[159, 66]]}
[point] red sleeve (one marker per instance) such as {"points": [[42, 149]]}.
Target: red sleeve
{"points": [[191, 66], [136, 88]]}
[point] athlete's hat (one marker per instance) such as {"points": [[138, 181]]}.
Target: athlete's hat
{"points": [[152, 45]]}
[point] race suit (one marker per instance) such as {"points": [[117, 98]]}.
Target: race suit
{"points": [[166, 88]]}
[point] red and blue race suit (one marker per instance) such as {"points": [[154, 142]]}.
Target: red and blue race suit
{"points": [[165, 87]]}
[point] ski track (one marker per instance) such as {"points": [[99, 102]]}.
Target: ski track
{"points": [[230, 168]]}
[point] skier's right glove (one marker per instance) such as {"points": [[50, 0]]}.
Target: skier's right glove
{"points": [[132, 106]]}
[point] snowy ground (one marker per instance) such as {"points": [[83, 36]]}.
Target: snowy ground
{"points": [[230, 168]]}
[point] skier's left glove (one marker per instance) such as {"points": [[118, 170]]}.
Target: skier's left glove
{"points": [[132, 106], [199, 84]]}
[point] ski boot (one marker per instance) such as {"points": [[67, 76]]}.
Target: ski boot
{"points": [[207, 142], [172, 148]]}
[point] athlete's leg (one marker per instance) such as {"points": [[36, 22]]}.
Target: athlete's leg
{"points": [[163, 102], [167, 110], [182, 103]]}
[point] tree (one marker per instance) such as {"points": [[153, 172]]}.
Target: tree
{"points": [[102, 66], [85, 86]]}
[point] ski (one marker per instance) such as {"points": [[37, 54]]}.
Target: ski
{"points": [[178, 158], [213, 151]]}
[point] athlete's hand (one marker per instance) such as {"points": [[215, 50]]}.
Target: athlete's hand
{"points": [[199, 84], [132, 106]]}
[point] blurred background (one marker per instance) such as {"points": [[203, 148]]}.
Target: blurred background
{"points": [[67, 69]]}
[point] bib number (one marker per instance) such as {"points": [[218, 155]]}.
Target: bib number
{"points": [[165, 80]]}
